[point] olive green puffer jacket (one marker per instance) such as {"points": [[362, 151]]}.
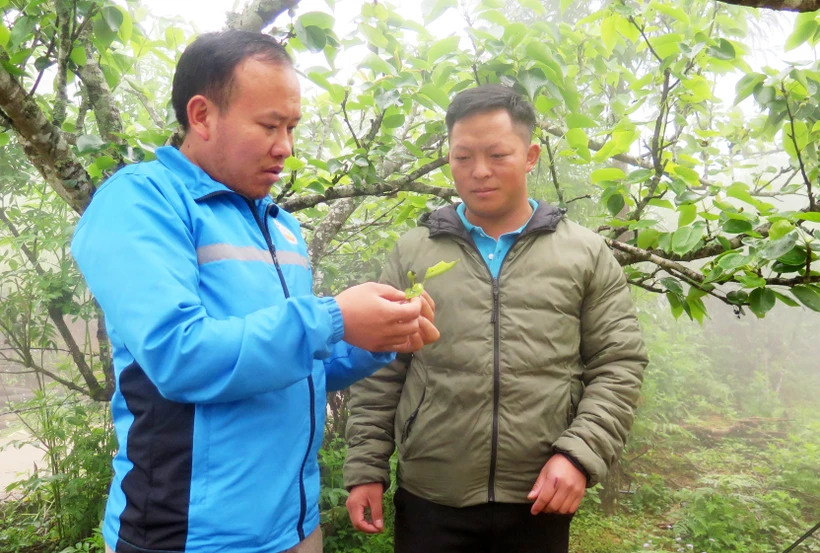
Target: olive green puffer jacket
{"points": [[547, 357]]}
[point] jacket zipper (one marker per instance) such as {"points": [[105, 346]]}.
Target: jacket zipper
{"points": [[496, 384], [408, 425], [495, 320], [311, 388]]}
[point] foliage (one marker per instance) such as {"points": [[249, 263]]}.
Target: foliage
{"points": [[62, 502]]}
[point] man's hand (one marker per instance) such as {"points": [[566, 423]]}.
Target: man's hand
{"points": [[362, 497], [377, 317], [427, 333], [559, 488]]}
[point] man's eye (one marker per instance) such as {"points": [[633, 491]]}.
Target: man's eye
{"points": [[462, 158], [270, 127], [499, 155]]}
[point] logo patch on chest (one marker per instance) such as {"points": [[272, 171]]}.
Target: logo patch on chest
{"points": [[289, 236]]}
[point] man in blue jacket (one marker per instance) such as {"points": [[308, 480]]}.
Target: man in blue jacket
{"points": [[222, 353]]}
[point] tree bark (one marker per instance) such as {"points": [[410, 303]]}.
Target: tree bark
{"points": [[778, 5], [44, 145]]}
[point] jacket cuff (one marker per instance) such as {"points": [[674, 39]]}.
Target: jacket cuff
{"points": [[577, 464], [337, 320]]}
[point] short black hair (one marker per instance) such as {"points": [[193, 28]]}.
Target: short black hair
{"points": [[207, 66], [491, 97]]}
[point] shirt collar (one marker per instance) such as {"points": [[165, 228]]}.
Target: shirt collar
{"points": [[471, 228]]}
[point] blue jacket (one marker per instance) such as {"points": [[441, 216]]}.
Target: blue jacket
{"points": [[222, 355]]}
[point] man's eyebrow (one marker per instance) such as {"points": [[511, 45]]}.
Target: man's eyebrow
{"points": [[279, 116]]}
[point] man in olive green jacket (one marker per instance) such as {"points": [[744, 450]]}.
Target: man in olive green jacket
{"points": [[528, 396]]}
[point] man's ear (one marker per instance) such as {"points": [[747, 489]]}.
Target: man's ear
{"points": [[533, 152], [201, 112]]}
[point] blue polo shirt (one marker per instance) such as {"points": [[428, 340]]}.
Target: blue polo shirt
{"points": [[492, 251]]}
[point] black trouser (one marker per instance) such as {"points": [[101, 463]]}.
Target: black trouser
{"points": [[425, 527]]}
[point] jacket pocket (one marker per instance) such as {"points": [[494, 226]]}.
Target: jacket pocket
{"points": [[408, 424]]}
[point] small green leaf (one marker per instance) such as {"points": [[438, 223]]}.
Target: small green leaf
{"points": [[812, 216], [78, 56], [779, 248], [780, 229], [736, 226], [615, 204], [803, 30], [580, 121], [733, 261], [317, 19], [439, 268], [808, 295], [609, 33], [723, 51], [4, 139], [607, 174], [5, 34], [442, 48], [89, 143], [761, 301], [688, 214], [686, 238]]}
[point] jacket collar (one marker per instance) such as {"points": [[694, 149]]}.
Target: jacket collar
{"points": [[198, 182], [446, 221]]}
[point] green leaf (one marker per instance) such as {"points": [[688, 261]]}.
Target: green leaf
{"points": [[808, 295], [675, 305], [733, 261], [672, 11], [688, 214], [5, 34], [436, 94], [539, 52], [813, 217], [439, 268], [685, 239], [4, 139], [580, 121], [565, 4], [615, 204], [779, 248], [78, 56], [607, 174], [532, 80], [609, 33], [104, 35], [747, 85], [786, 299], [803, 30], [113, 17], [736, 226], [317, 19], [780, 229], [761, 301], [314, 38], [432, 9], [648, 239], [377, 64], [442, 48], [723, 51], [673, 285], [89, 143], [534, 5]]}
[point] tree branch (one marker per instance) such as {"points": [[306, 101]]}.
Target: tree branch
{"points": [[259, 14], [44, 145], [105, 108], [778, 5], [55, 313]]}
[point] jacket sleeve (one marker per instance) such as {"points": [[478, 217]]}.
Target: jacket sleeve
{"points": [[347, 364], [139, 259], [373, 402], [614, 357]]}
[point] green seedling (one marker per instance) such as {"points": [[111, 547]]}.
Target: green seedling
{"points": [[417, 288]]}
